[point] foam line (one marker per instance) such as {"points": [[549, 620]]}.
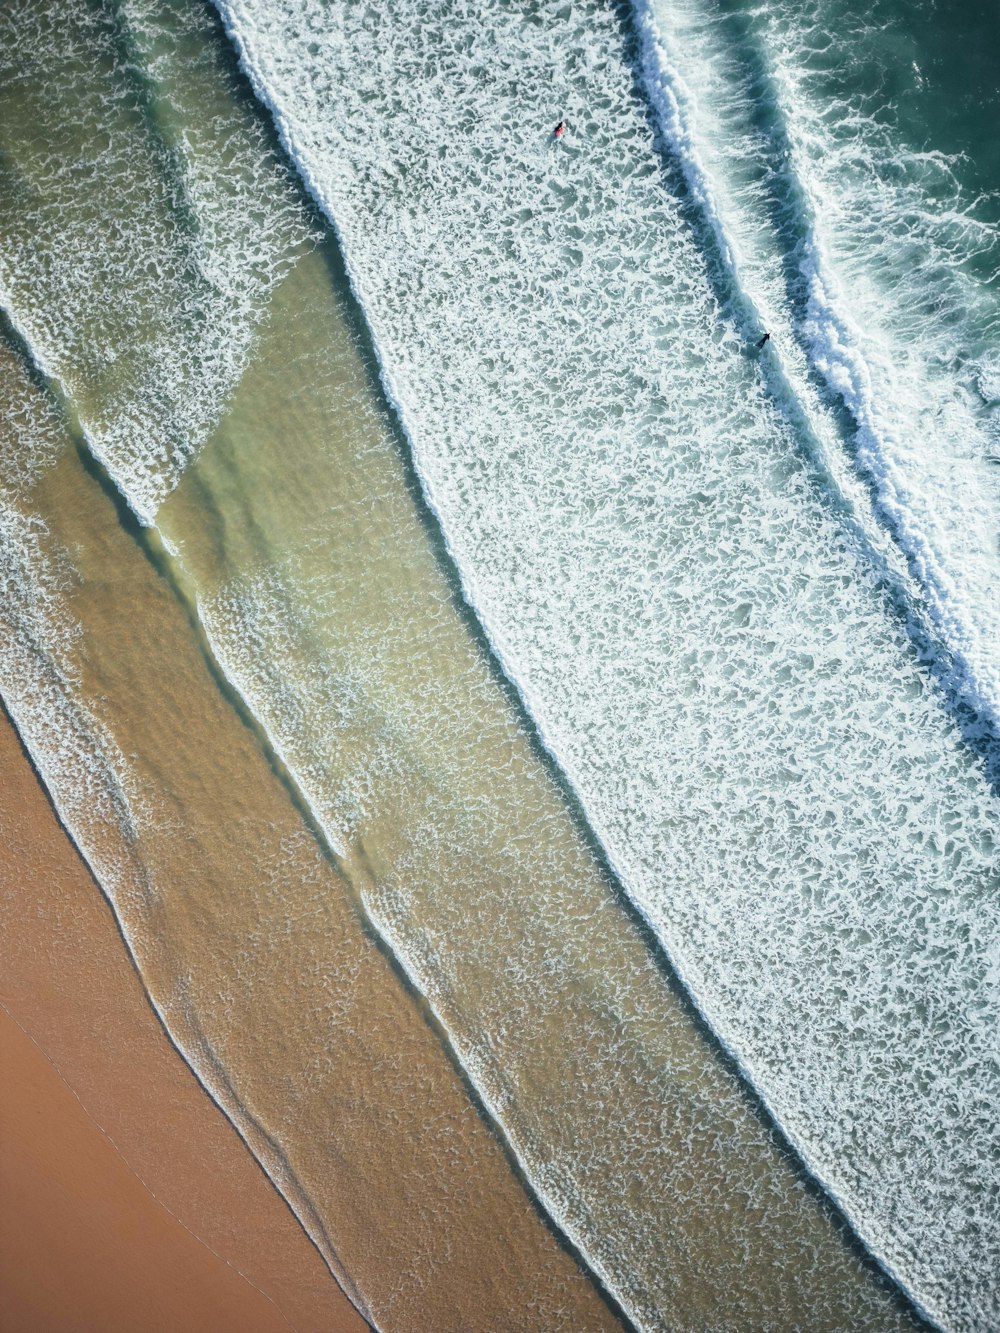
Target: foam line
{"points": [[88, 780], [140, 276], [632, 801], [949, 590]]}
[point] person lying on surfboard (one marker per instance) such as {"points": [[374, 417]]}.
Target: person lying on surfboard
{"points": [[766, 338], [559, 130]]}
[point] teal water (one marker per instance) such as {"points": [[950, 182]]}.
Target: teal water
{"points": [[746, 603], [749, 601], [926, 70]]}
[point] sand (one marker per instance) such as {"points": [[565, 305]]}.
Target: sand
{"points": [[250, 939], [128, 1201]]}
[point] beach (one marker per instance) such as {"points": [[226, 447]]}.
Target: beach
{"points": [[129, 1200], [499, 759]]}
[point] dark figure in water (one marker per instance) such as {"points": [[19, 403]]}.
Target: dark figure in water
{"points": [[559, 130], [766, 338]]}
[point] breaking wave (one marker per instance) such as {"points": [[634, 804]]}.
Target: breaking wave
{"points": [[709, 650], [863, 253]]}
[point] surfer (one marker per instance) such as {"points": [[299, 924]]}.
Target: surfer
{"points": [[766, 338], [559, 130]]}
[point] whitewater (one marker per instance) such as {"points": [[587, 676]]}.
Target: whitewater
{"points": [[707, 649], [212, 226], [710, 576], [881, 266]]}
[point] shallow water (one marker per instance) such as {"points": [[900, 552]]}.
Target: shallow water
{"points": [[325, 603], [140, 241], [734, 671], [249, 940], [714, 655], [299, 542]]}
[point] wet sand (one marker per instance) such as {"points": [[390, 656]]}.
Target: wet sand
{"points": [[83, 1242], [128, 1201], [249, 940]]}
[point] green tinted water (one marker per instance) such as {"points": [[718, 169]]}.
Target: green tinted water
{"points": [[318, 579]]}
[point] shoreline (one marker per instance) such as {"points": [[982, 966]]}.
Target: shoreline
{"points": [[116, 1094]]}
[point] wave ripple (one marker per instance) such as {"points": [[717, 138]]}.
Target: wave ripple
{"points": [[706, 654]]}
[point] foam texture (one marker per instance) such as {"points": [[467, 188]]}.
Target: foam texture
{"points": [[141, 243], [700, 638]]}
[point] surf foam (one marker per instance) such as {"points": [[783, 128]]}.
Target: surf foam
{"points": [[712, 665], [141, 245], [847, 252]]}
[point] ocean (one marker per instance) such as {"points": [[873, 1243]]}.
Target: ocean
{"points": [[540, 744]]}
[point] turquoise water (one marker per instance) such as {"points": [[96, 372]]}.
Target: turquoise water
{"points": [[748, 601], [746, 598], [928, 72]]}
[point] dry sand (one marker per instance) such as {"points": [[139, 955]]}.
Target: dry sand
{"points": [[127, 1200]]}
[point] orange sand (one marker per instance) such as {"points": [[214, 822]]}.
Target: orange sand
{"points": [[127, 1200]]}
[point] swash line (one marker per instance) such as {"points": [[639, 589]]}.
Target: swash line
{"points": [[523, 692], [151, 1192], [149, 534], [236, 1116], [285, 769]]}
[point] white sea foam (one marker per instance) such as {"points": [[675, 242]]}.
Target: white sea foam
{"points": [[691, 131], [138, 272], [770, 181], [535, 963], [79, 760], [705, 653], [38, 633], [988, 378]]}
